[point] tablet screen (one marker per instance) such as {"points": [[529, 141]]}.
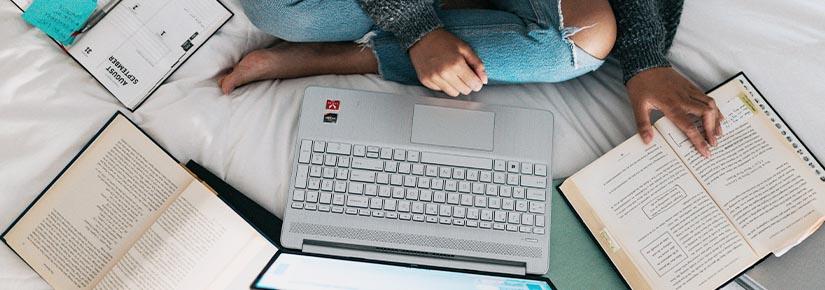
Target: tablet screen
{"points": [[291, 271]]}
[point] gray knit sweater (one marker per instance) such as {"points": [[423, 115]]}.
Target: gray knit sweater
{"points": [[646, 27]]}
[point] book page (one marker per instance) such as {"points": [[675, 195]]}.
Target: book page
{"points": [[652, 209], [140, 42], [196, 242], [91, 215], [755, 176]]}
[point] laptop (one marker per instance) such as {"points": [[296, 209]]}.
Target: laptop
{"points": [[422, 181]]}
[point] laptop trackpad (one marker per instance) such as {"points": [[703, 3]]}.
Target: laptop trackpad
{"points": [[453, 127]]}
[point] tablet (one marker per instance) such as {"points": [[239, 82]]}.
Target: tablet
{"points": [[293, 270]]}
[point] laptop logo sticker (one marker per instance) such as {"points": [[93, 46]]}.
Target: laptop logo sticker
{"points": [[333, 105], [331, 118]]}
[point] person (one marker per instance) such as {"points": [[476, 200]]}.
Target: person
{"points": [[457, 49]]}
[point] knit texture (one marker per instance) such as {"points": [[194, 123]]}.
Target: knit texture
{"points": [[408, 20], [646, 29]]}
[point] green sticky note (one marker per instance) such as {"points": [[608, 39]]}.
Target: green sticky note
{"points": [[60, 19]]}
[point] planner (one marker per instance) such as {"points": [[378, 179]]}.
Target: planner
{"points": [[138, 44]]}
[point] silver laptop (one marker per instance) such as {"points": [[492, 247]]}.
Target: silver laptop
{"points": [[421, 180]]}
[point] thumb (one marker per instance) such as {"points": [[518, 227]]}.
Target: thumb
{"points": [[476, 64], [642, 114]]}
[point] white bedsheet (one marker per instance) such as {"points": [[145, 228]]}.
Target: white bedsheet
{"points": [[49, 107]]}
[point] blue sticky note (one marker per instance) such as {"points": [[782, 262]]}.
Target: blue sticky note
{"points": [[60, 18]]}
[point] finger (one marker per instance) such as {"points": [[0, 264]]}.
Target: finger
{"points": [[444, 86], [642, 114], [470, 78], [714, 116], [476, 64], [682, 121], [454, 81], [430, 85], [711, 122]]}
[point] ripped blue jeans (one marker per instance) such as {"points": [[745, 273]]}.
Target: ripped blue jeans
{"points": [[522, 41]]}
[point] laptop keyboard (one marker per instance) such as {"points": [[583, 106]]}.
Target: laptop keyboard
{"points": [[426, 187]]}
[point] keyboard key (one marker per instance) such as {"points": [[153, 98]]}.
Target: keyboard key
{"points": [[452, 198], [376, 203], [352, 211], [357, 201], [500, 177], [338, 148], [318, 146], [315, 171], [392, 215], [499, 165], [500, 216], [297, 205], [480, 201], [459, 212], [525, 229], [431, 171], [368, 164], [419, 218], [498, 226], [456, 160], [536, 194], [508, 204], [540, 170], [305, 152], [378, 214], [343, 161], [431, 209], [412, 194], [534, 181], [403, 206], [418, 169], [478, 188], [486, 215], [485, 176], [526, 168], [512, 228], [338, 199], [423, 182], [362, 176], [301, 176], [386, 153], [445, 210], [464, 186], [437, 184], [512, 179], [513, 167], [519, 192], [472, 224], [340, 186], [426, 195], [373, 149], [467, 200], [404, 168], [330, 160], [390, 204], [539, 231], [404, 216], [444, 172], [391, 166], [440, 196], [410, 181], [458, 222], [342, 173], [356, 188], [492, 189], [298, 195], [432, 219], [537, 207], [458, 173], [398, 193], [364, 212], [505, 191], [472, 213], [539, 220], [450, 185], [521, 205], [370, 189], [514, 218], [317, 158], [323, 207], [325, 198], [445, 220], [384, 191], [382, 178], [527, 219], [337, 209], [399, 155], [494, 202], [485, 225], [396, 179], [413, 156], [472, 174], [329, 172]]}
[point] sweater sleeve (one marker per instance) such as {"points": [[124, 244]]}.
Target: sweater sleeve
{"points": [[646, 29], [408, 20]]}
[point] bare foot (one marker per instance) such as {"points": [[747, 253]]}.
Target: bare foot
{"points": [[292, 60]]}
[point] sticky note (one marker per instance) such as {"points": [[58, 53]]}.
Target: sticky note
{"points": [[60, 18]]}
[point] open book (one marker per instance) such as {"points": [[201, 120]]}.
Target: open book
{"points": [[670, 219], [125, 215], [140, 43]]}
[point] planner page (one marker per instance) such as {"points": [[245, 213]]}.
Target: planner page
{"points": [[139, 43]]}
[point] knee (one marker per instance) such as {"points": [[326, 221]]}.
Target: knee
{"points": [[600, 36], [294, 22]]}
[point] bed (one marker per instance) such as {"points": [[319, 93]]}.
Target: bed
{"points": [[49, 107]]}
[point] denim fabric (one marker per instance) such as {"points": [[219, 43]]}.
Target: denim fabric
{"points": [[523, 41]]}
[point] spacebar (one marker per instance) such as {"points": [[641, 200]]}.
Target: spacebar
{"points": [[455, 160]]}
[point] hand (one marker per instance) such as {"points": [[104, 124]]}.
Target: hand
{"points": [[666, 90], [445, 63]]}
